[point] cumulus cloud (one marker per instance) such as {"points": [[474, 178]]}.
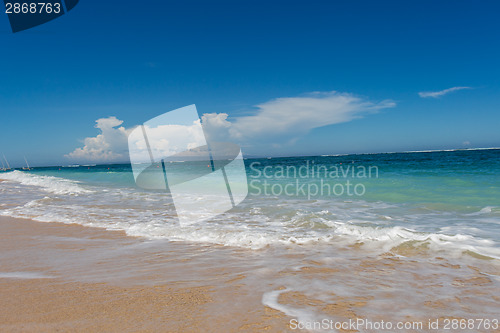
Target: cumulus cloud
{"points": [[275, 122], [164, 140], [436, 94], [108, 146], [216, 126]]}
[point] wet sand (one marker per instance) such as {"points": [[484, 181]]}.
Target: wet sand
{"points": [[67, 277], [38, 296]]}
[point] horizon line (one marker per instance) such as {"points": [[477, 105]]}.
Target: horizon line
{"points": [[96, 164]]}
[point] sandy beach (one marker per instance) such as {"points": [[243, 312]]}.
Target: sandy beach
{"points": [[46, 296], [63, 277]]}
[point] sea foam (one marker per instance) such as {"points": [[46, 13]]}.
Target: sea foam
{"points": [[50, 184]]}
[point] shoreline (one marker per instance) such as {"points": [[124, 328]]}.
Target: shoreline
{"points": [[39, 297], [56, 276]]}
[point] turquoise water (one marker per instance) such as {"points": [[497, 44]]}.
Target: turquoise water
{"points": [[466, 179], [448, 198]]}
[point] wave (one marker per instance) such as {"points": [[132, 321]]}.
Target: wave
{"points": [[50, 184], [259, 231], [257, 223], [421, 151], [390, 239], [483, 211]]}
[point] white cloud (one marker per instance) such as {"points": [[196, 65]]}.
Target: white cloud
{"points": [[275, 122], [109, 146], [164, 140], [436, 94], [216, 126], [294, 116]]}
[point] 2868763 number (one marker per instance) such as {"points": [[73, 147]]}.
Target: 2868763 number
{"points": [[470, 324], [32, 8]]}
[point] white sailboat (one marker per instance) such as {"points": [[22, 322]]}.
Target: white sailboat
{"points": [[27, 167], [7, 162]]}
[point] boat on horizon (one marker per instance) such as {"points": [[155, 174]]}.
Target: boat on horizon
{"points": [[27, 167], [3, 165]]}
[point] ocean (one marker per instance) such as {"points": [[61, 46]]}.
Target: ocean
{"points": [[429, 216]]}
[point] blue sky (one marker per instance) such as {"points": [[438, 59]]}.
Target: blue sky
{"points": [[256, 59]]}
